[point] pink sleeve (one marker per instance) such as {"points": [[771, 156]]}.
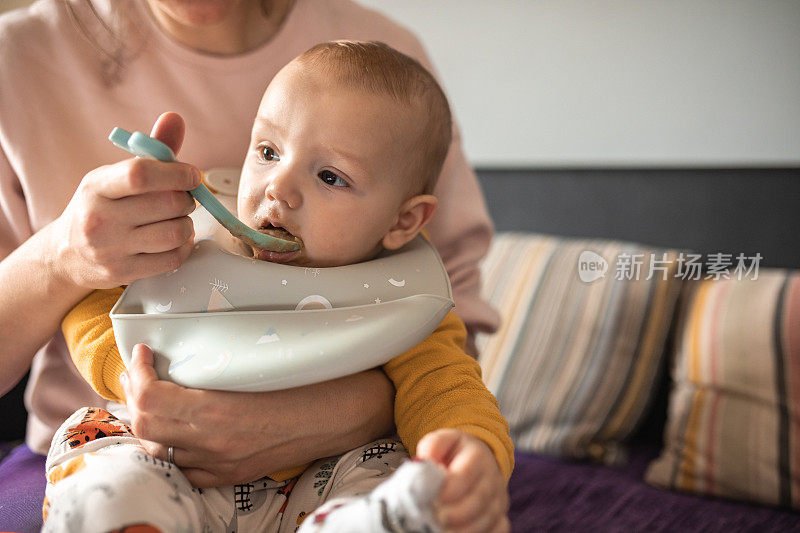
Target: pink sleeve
{"points": [[14, 224], [461, 230]]}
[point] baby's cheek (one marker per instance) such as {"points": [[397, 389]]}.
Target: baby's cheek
{"points": [[334, 248], [245, 211]]}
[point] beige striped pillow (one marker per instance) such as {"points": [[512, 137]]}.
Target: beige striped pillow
{"points": [[733, 427], [574, 362]]}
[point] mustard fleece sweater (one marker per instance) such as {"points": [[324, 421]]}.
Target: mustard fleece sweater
{"points": [[437, 384]]}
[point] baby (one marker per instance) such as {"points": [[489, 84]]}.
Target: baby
{"points": [[345, 151]]}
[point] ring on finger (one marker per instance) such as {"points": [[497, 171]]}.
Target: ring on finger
{"points": [[171, 454]]}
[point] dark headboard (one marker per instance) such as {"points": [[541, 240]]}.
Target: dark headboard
{"points": [[703, 210]]}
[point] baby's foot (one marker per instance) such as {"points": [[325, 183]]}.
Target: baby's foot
{"points": [[403, 503]]}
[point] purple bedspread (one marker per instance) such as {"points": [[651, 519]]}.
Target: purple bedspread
{"points": [[21, 489], [551, 494], [546, 494]]}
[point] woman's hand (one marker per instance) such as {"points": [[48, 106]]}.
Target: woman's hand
{"points": [[126, 221], [129, 220], [224, 438]]}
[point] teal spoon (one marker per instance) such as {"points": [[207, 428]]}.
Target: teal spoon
{"points": [[142, 145]]}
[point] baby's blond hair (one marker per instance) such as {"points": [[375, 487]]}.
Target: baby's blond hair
{"points": [[377, 68]]}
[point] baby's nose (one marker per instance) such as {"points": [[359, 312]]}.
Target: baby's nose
{"points": [[283, 188]]}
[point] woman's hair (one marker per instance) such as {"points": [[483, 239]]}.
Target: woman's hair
{"points": [[377, 68]]}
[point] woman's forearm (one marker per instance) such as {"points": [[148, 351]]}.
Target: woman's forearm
{"points": [[35, 298], [224, 438], [331, 418], [348, 412]]}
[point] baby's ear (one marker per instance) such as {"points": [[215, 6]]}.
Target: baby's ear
{"points": [[411, 218]]}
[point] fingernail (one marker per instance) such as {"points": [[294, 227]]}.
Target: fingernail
{"points": [[123, 378], [197, 178]]}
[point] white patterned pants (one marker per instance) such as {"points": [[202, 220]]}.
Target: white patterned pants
{"points": [[100, 479]]}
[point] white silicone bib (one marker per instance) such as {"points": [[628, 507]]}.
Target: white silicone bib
{"points": [[227, 322]]}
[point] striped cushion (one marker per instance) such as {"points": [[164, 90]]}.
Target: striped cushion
{"points": [[733, 427], [574, 363]]}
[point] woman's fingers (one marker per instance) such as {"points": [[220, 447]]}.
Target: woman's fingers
{"points": [[142, 361], [160, 411], [169, 128], [201, 468], [146, 393], [139, 176], [161, 236], [129, 220], [152, 207], [144, 265], [203, 478], [144, 175], [181, 457]]}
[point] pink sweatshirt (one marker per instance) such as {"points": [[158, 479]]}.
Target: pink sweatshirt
{"points": [[56, 111]]}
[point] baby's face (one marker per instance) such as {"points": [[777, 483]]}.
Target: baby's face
{"points": [[325, 164]]}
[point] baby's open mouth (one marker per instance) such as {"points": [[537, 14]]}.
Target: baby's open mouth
{"points": [[279, 233]]}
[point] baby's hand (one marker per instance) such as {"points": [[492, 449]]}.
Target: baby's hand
{"points": [[473, 496]]}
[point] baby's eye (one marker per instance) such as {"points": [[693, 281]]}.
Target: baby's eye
{"points": [[267, 153], [332, 179]]}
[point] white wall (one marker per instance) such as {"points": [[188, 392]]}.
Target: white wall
{"points": [[626, 82]]}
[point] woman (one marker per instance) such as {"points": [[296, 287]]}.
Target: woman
{"points": [[71, 71]]}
